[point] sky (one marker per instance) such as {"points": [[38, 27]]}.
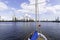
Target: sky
{"points": [[47, 9]]}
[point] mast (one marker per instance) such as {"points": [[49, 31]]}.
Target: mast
{"points": [[36, 13]]}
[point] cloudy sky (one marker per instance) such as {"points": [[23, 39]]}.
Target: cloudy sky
{"points": [[48, 9]]}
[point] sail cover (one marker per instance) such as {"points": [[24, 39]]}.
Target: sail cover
{"points": [[34, 36]]}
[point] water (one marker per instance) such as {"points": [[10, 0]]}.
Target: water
{"points": [[18, 30], [52, 29]]}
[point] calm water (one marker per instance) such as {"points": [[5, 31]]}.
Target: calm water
{"points": [[18, 30]]}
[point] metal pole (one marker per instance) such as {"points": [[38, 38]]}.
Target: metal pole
{"points": [[36, 14]]}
